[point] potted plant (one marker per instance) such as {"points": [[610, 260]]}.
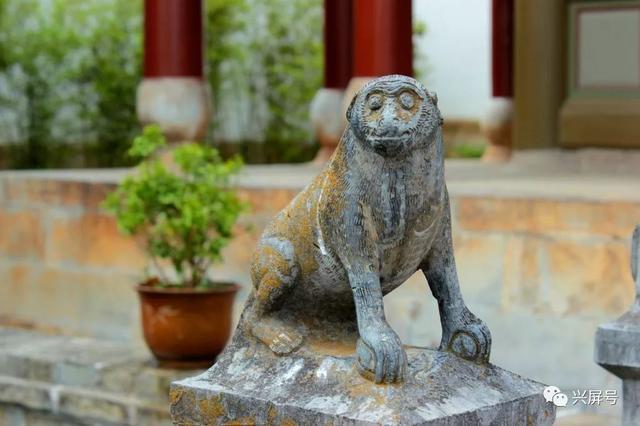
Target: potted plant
{"points": [[184, 216]]}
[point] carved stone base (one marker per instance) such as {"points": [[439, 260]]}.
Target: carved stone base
{"points": [[319, 384], [180, 105], [497, 128]]}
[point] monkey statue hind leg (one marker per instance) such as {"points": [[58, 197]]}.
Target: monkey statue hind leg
{"points": [[274, 272]]}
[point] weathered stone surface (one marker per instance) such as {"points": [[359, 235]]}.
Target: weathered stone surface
{"points": [[97, 243], [616, 345], [320, 385], [21, 234], [51, 380], [94, 406], [15, 415], [374, 215], [29, 394], [547, 216], [152, 416], [313, 344]]}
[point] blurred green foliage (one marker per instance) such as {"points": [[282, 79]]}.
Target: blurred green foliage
{"points": [[467, 150], [69, 71], [184, 216], [292, 61]]}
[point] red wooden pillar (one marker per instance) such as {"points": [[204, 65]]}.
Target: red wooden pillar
{"points": [[337, 43], [173, 92], [498, 120], [383, 38], [502, 14], [382, 42], [326, 107], [173, 38]]}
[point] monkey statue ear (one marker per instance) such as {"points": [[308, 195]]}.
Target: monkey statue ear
{"points": [[353, 101], [434, 97]]}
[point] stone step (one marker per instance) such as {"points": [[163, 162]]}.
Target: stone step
{"points": [[79, 380]]}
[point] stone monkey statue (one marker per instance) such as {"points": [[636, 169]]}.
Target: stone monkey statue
{"points": [[378, 212]]}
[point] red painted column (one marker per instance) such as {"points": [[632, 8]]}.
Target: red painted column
{"points": [[497, 124], [383, 38], [174, 92], [173, 38], [337, 43], [326, 107], [502, 48]]}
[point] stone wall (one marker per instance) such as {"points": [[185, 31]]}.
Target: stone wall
{"points": [[543, 271], [57, 380]]}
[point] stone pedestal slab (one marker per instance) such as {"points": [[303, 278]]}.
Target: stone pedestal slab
{"points": [[319, 385]]}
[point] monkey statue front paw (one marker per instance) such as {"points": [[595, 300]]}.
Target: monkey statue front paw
{"points": [[466, 336], [381, 357]]}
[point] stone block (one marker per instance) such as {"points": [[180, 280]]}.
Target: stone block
{"points": [[66, 361], [588, 279], [21, 234], [522, 281], [92, 240], [267, 201], [53, 192], [14, 415], [26, 393], [565, 277], [92, 406], [153, 384], [99, 303], [319, 384], [547, 216], [479, 259], [153, 416]]}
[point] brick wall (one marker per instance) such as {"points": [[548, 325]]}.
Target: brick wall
{"points": [[542, 271]]}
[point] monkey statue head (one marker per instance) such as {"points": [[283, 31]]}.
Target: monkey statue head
{"points": [[394, 114]]}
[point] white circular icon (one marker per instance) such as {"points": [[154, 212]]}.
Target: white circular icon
{"points": [[549, 392], [560, 400]]}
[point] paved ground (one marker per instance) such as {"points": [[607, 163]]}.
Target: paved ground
{"points": [[587, 420]]}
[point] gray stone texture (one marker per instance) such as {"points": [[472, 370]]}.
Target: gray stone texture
{"points": [[58, 380], [320, 385], [617, 345]]}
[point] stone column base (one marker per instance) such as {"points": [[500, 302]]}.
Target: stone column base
{"points": [[497, 127], [328, 120], [180, 105]]}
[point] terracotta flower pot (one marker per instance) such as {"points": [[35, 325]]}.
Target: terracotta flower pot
{"points": [[186, 327]]}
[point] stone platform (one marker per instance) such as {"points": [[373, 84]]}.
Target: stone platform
{"points": [[55, 380], [320, 385]]}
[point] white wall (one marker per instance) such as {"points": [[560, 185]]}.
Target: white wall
{"points": [[457, 47]]}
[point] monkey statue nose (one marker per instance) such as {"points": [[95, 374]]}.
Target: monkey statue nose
{"points": [[389, 131], [386, 146]]}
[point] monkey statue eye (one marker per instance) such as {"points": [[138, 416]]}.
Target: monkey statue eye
{"points": [[374, 102], [407, 100]]}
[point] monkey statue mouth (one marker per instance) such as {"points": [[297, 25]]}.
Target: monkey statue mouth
{"points": [[389, 146]]}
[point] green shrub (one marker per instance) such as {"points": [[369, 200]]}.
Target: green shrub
{"points": [[467, 150], [184, 216], [110, 72], [292, 62]]}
